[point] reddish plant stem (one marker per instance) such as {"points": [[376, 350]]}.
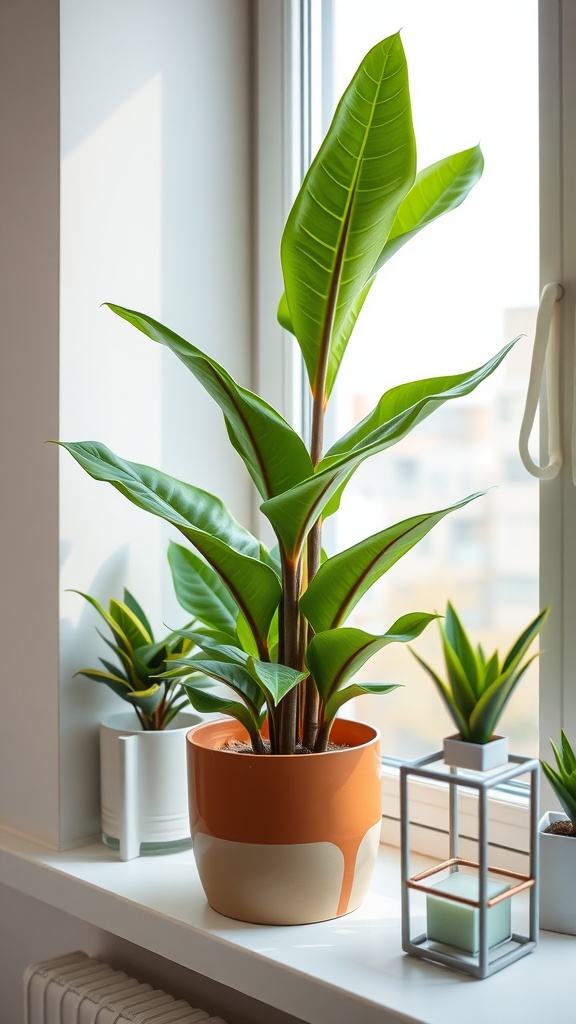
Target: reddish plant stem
{"points": [[311, 717], [290, 622]]}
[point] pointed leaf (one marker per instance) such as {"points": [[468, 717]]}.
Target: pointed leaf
{"points": [[463, 696], [491, 705], [202, 519], [148, 701], [209, 703], [343, 213], [294, 513], [115, 682], [274, 454], [120, 637], [131, 602], [567, 797], [238, 678], [200, 591], [276, 679], [335, 655], [563, 770], [130, 625], [423, 394], [523, 642], [355, 690], [457, 637], [343, 579], [437, 190], [446, 695], [568, 756]]}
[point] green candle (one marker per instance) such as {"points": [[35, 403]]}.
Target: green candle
{"points": [[457, 924]]}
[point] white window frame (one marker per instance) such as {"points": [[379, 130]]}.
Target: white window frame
{"points": [[288, 33]]}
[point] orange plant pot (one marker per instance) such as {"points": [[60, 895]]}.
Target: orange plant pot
{"points": [[284, 839]]}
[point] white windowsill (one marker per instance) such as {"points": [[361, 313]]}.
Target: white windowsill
{"points": [[340, 972]]}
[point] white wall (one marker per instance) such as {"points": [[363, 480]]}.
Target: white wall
{"points": [[138, 191], [29, 212], [144, 198]]}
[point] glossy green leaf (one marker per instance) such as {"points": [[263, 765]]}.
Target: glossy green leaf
{"points": [[568, 755], [515, 655], [294, 513], [129, 624], [566, 793], [204, 520], [355, 690], [238, 678], [437, 190], [111, 679], [274, 454], [148, 701], [334, 656], [463, 696], [492, 703], [200, 591], [120, 637], [131, 602], [345, 209], [209, 703], [425, 395], [343, 579], [276, 679], [456, 638], [445, 693]]}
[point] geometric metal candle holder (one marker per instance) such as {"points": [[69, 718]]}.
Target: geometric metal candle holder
{"points": [[454, 907]]}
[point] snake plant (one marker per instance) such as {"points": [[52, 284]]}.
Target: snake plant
{"points": [[140, 661], [563, 781], [272, 623], [477, 688]]}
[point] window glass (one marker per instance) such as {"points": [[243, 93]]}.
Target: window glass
{"points": [[446, 302]]}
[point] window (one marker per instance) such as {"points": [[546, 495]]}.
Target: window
{"points": [[533, 148]]}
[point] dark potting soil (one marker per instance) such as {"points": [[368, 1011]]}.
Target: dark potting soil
{"points": [[237, 747], [561, 828]]}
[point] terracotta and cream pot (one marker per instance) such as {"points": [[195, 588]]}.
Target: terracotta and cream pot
{"points": [[284, 839]]}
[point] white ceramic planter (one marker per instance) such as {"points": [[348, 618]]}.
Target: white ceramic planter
{"points": [[476, 757], [557, 873], [143, 785]]}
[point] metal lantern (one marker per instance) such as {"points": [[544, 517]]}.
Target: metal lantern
{"points": [[468, 902]]}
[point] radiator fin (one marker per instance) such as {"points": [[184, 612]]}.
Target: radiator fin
{"points": [[78, 989]]}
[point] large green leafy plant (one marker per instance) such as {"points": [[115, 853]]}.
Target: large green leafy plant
{"points": [[272, 622]]}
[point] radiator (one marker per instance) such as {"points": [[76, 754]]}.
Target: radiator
{"points": [[77, 989]]}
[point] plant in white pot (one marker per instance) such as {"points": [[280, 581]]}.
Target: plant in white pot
{"points": [[476, 691], [143, 792], [271, 624], [557, 854]]}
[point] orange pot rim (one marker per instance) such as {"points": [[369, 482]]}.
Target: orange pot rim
{"points": [[199, 735]]}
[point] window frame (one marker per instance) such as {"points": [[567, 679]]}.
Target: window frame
{"points": [[298, 29]]}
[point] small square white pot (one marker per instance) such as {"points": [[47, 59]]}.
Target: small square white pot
{"points": [[557, 874], [476, 757]]}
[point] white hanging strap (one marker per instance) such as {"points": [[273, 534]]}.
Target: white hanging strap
{"points": [[545, 356]]}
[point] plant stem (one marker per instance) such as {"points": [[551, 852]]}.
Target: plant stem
{"points": [[310, 715], [290, 619], [322, 738]]}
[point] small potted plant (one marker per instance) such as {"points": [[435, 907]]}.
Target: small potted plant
{"points": [[476, 690], [144, 799], [272, 623], [557, 855]]}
